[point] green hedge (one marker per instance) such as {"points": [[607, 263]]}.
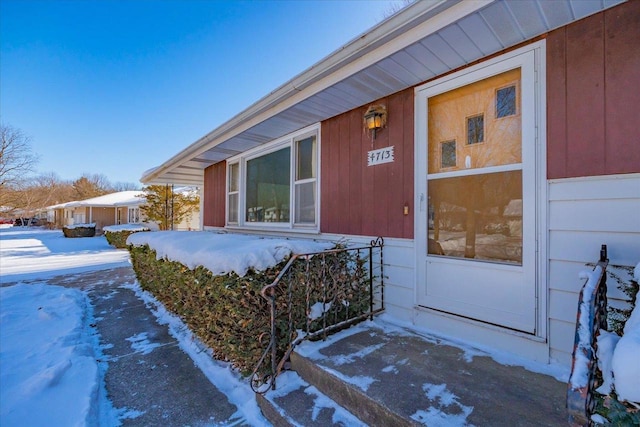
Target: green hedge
{"points": [[228, 313], [119, 238]]}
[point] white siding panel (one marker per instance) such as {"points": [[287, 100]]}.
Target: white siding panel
{"points": [[596, 188], [398, 297], [398, 276], [617, 215], [566, 279], [401, 256], [565, 275], [585, 213], [563, 305], [399, 313], [624, 248], [562, 336]]}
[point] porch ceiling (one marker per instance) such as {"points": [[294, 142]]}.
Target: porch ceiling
{"points": [[423, 41]]}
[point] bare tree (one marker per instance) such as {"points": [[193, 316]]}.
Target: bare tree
{"points": [[16, 159], [34, 194], [125, 186]]}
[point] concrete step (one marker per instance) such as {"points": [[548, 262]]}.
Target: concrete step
{"points": [[296, 403], [386, 375]]}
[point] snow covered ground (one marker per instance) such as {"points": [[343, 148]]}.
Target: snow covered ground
{"points": [[48, 373], [35, 253], [48, 370]]}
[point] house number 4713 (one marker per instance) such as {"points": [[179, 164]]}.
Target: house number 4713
{"points": [[380, 156]]}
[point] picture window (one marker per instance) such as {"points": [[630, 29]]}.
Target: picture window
{"points": [[276, 186]]}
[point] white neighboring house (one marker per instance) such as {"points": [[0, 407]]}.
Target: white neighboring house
{"points": [[116, 208], [122, 207]]}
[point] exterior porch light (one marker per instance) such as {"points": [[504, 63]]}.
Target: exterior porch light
{"points": [[375, 118]]}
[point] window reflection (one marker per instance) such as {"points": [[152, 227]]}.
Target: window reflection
{"points": [[477, 216], [268, 187]]}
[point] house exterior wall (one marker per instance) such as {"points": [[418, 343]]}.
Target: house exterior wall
{"points": [[214, 195], [593, 74], [592, 171], [366, 200], [102, 216]]}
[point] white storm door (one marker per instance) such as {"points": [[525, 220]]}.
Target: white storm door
{"points": [[476, 183]]}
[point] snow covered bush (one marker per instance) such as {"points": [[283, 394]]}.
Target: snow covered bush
{"points": [[227, 311], [117, 235], [79, 230]]}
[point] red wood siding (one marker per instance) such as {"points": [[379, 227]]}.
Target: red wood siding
{"points": [[368, 200], [215, 177], [593, 95]]}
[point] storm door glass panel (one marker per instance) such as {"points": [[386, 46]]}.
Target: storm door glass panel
{"points": [[477, 217], [475, 204], [268, 187]]}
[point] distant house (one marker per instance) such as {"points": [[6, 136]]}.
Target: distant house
{"points": [[111, 209], [491, 143], [116, 208]]}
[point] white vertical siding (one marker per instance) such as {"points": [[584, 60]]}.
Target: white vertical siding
{"points": [[585, 213]]}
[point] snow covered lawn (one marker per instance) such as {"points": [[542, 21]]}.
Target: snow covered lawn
{"points": [[35, 253], [48, 369], [48, 350]]}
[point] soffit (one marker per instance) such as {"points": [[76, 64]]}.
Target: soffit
{"points": [[396, 59]]}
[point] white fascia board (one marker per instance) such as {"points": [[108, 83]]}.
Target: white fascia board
{"points": [[339, 65]]}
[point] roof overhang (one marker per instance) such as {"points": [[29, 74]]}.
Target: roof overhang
{"points": [[425, 40]]}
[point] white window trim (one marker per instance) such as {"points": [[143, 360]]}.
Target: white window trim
{"points": [[275, 145]]}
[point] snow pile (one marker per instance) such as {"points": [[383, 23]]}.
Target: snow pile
{"points": [[125, 227], [626, 363], [48, 372], [607, 342], [224, 253]]}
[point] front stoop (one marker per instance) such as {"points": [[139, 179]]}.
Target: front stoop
{"points": [[370, 411], [296, 403], [388, 376]]}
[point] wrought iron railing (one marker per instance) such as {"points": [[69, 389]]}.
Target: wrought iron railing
{"points": [[316, 294], [592, 316]]}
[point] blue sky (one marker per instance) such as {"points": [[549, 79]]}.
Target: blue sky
{"points": [[118, 87]]}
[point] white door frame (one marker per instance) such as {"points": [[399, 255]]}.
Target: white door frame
{"points": [[541, 208]]}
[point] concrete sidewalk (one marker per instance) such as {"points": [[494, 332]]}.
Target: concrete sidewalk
{"points": [[149, 379]]}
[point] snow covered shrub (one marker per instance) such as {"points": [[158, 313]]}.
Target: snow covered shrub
{"points": [[229, 314], [79, 230], [118, 237]]}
